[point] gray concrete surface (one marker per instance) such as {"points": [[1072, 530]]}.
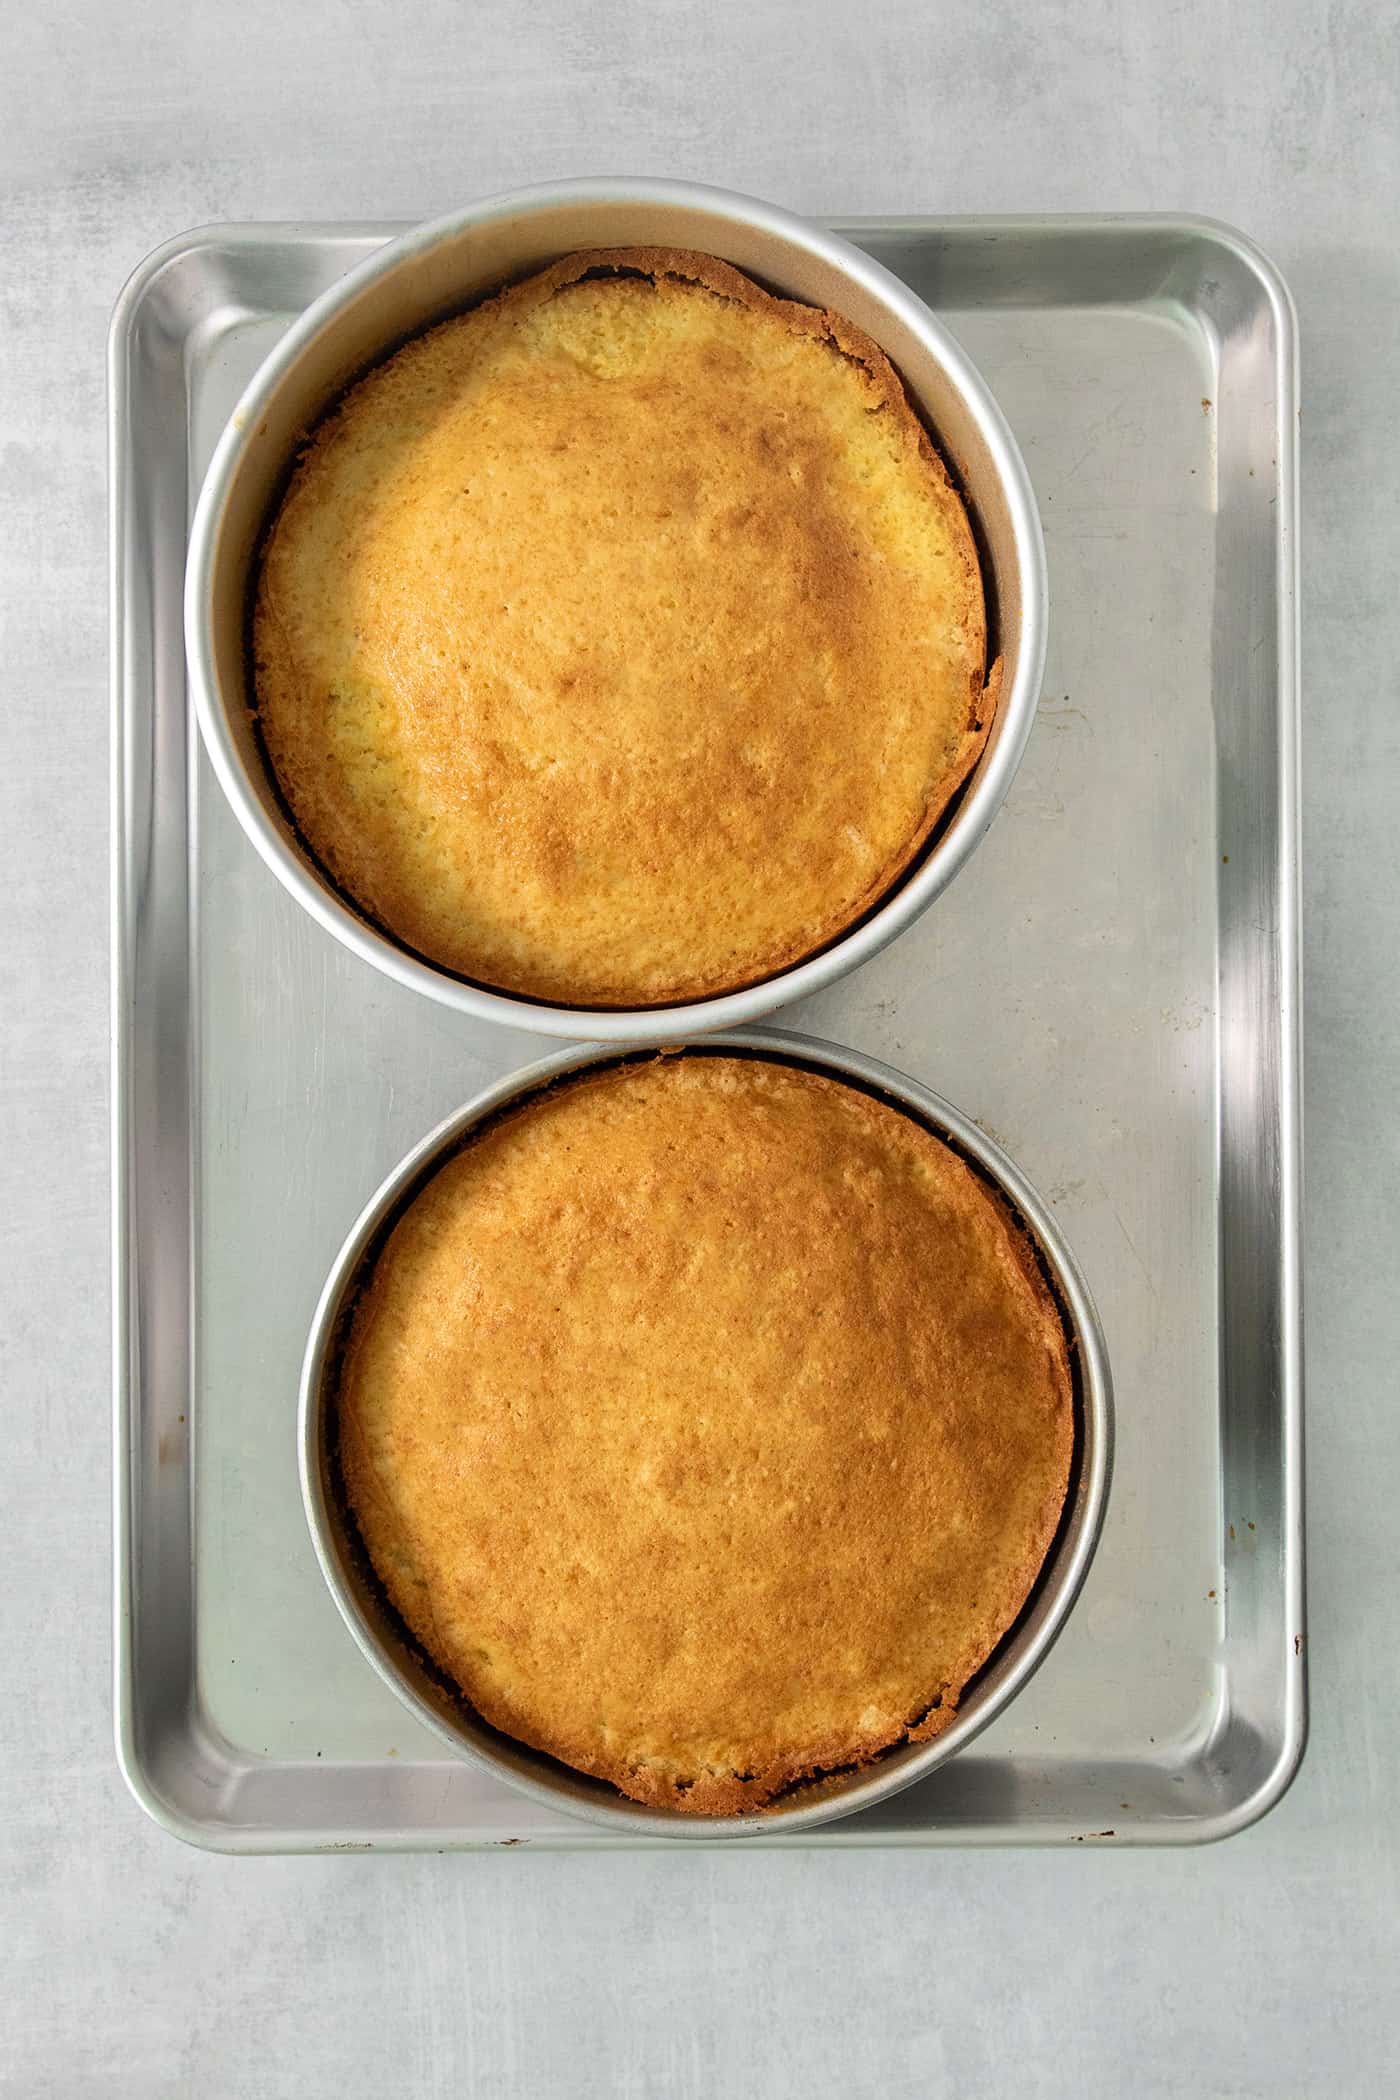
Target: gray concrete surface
{"points": [[132, 1966]]}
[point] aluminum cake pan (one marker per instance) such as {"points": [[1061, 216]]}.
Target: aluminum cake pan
{"points": [[431, 270], [382, 1637]]}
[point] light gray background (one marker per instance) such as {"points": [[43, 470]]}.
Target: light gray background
{"points": [[130, 1965]]}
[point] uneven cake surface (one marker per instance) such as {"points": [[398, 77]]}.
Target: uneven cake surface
{"points": [[621, 641], [708, 1422]]}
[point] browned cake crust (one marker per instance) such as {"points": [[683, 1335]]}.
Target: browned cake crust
{"points": [[708, 1422], [622, 641]]}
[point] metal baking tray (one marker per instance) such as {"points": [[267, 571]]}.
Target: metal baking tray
{"points": [[1110, 988]]}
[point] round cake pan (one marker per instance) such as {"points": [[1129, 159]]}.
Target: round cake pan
{"points": [[391, 1649], [442, 267]]}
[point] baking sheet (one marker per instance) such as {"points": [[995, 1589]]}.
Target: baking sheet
{"points": [[1109, 987]]}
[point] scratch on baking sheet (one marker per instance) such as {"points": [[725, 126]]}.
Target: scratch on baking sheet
{"points": [[1133, 1248], [1046, 808], [1095, 433], [990, 1130], [1120, 421], [1061, 714], [1062, 1191]]}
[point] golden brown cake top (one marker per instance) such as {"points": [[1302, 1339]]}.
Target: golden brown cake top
{"points": [[621, 641], [708, 1422]]}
